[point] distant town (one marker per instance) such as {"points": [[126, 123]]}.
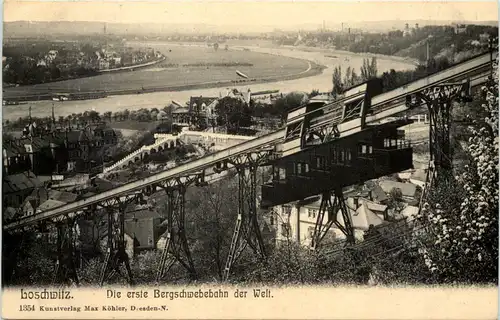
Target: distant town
{"points": [[39, 61]]}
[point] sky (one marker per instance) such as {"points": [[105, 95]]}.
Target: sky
{"points": [[256, 13]]}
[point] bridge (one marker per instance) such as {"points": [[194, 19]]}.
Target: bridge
{"points": [[324, 147], [169, 141]]}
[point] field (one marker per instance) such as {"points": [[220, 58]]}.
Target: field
{"points": [[254, 65]]}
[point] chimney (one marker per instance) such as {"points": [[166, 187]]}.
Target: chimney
{"points": [[356, 202]]}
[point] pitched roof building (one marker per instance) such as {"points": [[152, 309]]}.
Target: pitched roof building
{"points": [[17, 187]]}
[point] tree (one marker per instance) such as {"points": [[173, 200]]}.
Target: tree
{"points": [[463, 211], [210, 213], [233, 113], [107, 115], [396, 202], [126, 114], [338, 86], [216, 46], [314, 93], [94, 116], [369, 69], [291, 101], [350, 78]]}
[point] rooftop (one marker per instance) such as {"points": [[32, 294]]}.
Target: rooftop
{"points": [[142, 214], [50, 204], [407, 189], [181, 110], [364, 217], [419, 175], [62, 196], [373, 206], [20, 181]]}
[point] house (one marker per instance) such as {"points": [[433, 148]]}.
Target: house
{"points": [[29, 206], [198, 105], [408, 190], [33, 201], [202, 109], [363, 218], [460, 28], [379, 209], [378, 195], [49, 205], [72, 183], [484, 38], [42, 62], [405, 175], [407, 31], [419, 177], [296, 222], [129, 244], [99, 185], [144, 226], [409, 211], [102, 132], [117, 60], [103, 64], [181, 116], [62, 196], [15, 158], [17, 187], [61, 151], [9, 214], [53, 54]]}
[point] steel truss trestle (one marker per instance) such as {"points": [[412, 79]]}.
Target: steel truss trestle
{"points": [[246, 230], [116, 255], [65, 270], [439, 100], [176, 247], [331, 203]]}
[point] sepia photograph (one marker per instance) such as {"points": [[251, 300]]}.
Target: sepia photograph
{"points": [[257, 144]]}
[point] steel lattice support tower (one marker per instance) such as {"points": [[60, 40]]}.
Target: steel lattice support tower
{"points": [[246, 230], [332, 203], [439, 100], [116, 255], [65, 270], [176, 247]]}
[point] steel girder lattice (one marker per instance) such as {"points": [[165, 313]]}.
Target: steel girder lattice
{"points": [[116, 255], [246, 230], [65, 266], [331, 203], [176, 247], [439, 100], [65, 270]]}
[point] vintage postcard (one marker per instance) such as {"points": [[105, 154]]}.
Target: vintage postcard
{"points": [[250, 160]]}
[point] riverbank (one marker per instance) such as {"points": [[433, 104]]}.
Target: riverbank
{"points": [[322, 81], [312, 70], [81, 95], [135, 67], [260, 68], [364, 54]]}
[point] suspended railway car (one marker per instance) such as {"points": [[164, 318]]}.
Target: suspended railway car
{"points": [[319, 121]]}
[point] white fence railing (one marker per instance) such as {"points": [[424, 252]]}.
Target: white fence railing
{"points": [[161, 139]]}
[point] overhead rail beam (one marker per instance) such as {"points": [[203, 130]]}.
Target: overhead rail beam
{"points": [[138, 185], [477, 69]]}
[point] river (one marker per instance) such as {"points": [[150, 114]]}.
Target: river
{"points": [[321, 82]]}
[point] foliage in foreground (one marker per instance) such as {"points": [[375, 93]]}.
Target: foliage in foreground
{"points": [[463, 210]]}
